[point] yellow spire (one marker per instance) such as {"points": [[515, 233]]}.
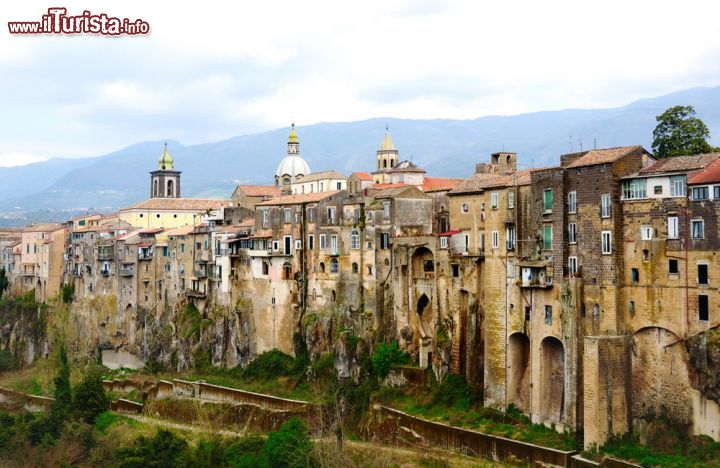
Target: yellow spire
{"points": [[293, 136], [165, 162], [387, 144]]}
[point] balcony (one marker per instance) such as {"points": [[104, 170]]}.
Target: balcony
{"points": [[200, 274], [127, 271], [105, 253], [145, 256], [536, 274], [222, 252], [195, 293]]}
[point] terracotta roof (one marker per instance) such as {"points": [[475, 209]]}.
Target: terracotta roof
{"points": [[482, 181], [262, 234], [709, 175], [49, 227], [607, 155], [181, 231], [86, 216], [320, 176], [401, 192], [296, 199], [386, 186], [363, 176], [438, 184], [260, 190], [178, 204], [250, 222], [681, 163]]}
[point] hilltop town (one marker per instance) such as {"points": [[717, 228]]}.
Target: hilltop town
{"points": [[584, 294]]}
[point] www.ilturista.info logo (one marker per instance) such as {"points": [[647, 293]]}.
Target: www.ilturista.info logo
{"points": [[58, 22]]}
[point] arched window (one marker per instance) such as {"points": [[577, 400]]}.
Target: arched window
{"points": [[370, 270], [170, 188], [354, 267], [287, 271], [155, 188], [333, 296], [385, 163], [334, 266], [322, 267], [354, 239]]}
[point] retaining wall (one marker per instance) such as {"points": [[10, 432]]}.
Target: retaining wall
{"points": [[32, 403]]}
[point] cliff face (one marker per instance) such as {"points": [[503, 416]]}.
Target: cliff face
{"points": [[704, 353], [23, 329]]}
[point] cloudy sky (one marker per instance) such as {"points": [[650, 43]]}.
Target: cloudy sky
{"points": [[215, 69]]}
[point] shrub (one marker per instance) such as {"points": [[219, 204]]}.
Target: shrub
{"points": [[7, 361], [68, 293], [269, 365], [455, 392], [289, 447], [90, 398], [386, 356], [165, 449]]}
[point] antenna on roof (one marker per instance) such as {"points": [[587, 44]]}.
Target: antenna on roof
{"points": [[570, 143], [581, 145], [594, 143]]}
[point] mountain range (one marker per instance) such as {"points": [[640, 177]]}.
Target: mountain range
{"points": [[59, 188]]}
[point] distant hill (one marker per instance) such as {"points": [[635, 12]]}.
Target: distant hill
{"points": [[58, 187]]}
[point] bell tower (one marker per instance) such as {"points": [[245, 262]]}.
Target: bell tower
{"points": [[165, 181], [387, 158]]}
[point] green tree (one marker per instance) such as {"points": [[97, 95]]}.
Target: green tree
{"points": [[164, 450], [4, 282], [679, 132], [289, 447], [63, 391], [89, 398]]}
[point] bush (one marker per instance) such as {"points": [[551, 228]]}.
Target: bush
{"points": [[269, 365], [246, 453], [7, 361], [386, 356], [68, 293], [165, 449], [90, 398], [290, 447], [455, 392]]}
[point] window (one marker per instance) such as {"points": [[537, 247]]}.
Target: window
{"points": [[698, 228], [465, 208], [322, 241], [428, 266], [311, 242], [700, 193], [330, 215], [287, 271], [703, 308], [384, 240], [677, 186], [334, 266], [339, 185], [572, 202], [510, 269], [605, 204], [265, 218], [716, 192], [354, 239], [311, 215], [673, 227], [511, 199], [265, 268], [572, 233], [466, 244], [657, 190], [495, 239], [494, 200], [606, 241], [673, 266], [322, 267], [370, 270], [646, 232], [455, 270], [333, 244], [386, 209], [632, 308], [634, 189], [596, 310], [287, 245], [548, 315], [443, 242], [702, 275], [572, 266], [548, 200], [510, 237], [547, 237], [354, 267], [634, 275], [298, 244]]}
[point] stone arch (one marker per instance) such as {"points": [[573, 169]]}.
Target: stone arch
{"points": [[423, 264], [518, 371], [552, 379], [660, 375]]}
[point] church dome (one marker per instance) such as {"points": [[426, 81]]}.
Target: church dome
{"points": [[292, 165]]}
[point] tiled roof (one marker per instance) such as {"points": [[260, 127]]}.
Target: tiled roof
{"points": [[406, 166], [296, 199], [320, 176], [48, 227], [386, 186], [681, 163], [607, 155], [260, 190], [406, 191], [363, 176], [438, 184], [178, 204], [481, 181], [181, 231], [709, 175]]}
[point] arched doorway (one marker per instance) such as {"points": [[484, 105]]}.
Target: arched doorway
{"points": [[552, 380], [518, 371], [423, 264]]}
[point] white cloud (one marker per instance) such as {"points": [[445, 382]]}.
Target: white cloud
{"points": [[210, 71], [19, 159]]}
